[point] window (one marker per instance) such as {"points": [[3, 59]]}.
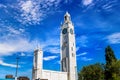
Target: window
{"points": [[73, 55], [72, 48]]}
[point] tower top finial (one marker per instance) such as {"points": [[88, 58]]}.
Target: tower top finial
{"points": [[67, 14], [38, 46], [67, 17]]}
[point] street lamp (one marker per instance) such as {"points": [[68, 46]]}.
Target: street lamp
{"points": [[17, 58]]}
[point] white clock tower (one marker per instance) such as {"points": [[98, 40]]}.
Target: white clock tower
{"points": [[68, 48]]}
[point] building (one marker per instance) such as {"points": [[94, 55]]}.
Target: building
{"points": [[23, 78], [9, 77], [68, 56]]}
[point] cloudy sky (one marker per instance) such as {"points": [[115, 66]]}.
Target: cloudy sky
{"points": [[24, 24]]}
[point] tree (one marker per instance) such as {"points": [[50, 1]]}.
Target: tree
{"points": [[109, 56], [110, 59], [92, 72], [108, 71], [115, 69]]}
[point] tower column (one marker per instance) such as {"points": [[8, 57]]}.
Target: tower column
{"points": [[68, 48], [37, 64]]}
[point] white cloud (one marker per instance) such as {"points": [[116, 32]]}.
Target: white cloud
{"points": [[9, 32], [83, 40], [50, 41], [34, 11], [21, 30], [58, 62], [52, 49], [7, 64], [50, 45], [15, 41], [84, 53], [77, 48], [18, 45], [22, 54], [114, 38], [2, 6], [15, 31], [87, 2], [86, 59], [49, 58], [109, 5], [30, 12]]}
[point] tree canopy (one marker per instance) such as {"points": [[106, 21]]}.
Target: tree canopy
{"points": [[94, 72], [108, 71]]}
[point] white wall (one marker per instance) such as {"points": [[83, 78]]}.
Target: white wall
{"points": [[54, 75]]}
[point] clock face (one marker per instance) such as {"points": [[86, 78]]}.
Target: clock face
{"points": [[71, 31], [64, 31]]}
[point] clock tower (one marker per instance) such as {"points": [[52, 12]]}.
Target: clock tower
{"points": [[68, 48]]}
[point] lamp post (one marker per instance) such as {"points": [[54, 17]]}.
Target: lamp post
{"points": [[17, 58]]}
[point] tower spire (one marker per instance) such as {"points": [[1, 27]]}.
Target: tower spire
{"points": [[67, 17], [38, 46], [67, 14]]}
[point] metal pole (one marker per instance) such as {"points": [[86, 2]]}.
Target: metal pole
{"points": [[16, 67]]}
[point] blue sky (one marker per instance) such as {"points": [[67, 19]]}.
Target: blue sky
{"points": [[26, 23]]}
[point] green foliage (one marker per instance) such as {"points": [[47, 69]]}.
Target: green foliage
{"points": [[115, 70], [109, 56], [92, 72], [110, 59], [108, 71]]}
